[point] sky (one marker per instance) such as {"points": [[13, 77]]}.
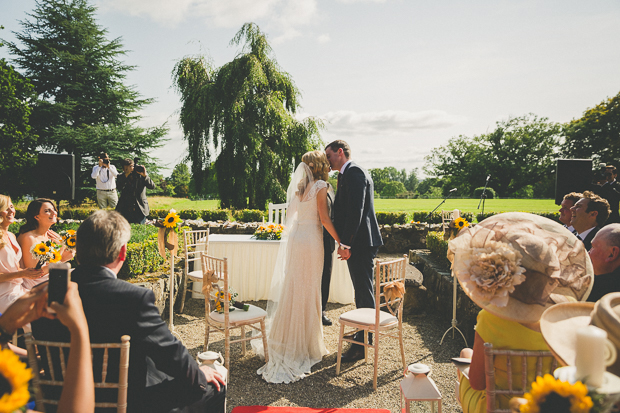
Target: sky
{"points": [[394, 78]]}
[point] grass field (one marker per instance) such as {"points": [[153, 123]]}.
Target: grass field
{"points": [[409, 205]]}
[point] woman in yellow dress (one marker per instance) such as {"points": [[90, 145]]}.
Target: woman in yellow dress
{"points": [[514, 266]]}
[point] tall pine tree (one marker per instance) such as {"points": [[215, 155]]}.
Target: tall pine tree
{"points": [[78, 78]]}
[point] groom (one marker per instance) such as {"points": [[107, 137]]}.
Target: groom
{"points": [[356, 224]]}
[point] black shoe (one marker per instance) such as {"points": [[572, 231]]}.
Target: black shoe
{"points": [[355, 352], [326, 321]]}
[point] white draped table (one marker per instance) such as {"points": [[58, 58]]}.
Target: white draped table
{"points": [[251, 263]]}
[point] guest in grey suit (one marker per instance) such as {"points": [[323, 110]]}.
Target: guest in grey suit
{"points": [[133, 183], [356, 224]]}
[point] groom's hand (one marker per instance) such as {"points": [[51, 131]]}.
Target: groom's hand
{"points": [[344, 253]]}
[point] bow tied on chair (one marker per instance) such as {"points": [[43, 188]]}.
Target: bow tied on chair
{"points": [[392, 292], [209, 281]]}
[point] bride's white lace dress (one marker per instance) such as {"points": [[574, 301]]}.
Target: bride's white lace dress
{"points": [[294, 330]]}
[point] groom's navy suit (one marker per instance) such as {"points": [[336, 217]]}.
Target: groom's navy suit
{"points": [[356, 224]]}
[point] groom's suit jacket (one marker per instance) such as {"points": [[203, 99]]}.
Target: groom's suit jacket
{"points": [[114, 308], [354, 211]]}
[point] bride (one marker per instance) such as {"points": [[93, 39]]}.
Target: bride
{"points": [[294, 330]]}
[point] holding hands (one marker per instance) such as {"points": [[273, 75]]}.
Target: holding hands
{"points": [[344, 253]]}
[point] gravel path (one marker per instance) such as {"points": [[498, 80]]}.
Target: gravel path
{"points": [[353, 387]]}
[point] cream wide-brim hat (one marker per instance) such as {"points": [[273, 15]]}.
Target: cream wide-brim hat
{"points": [[559, 325], [516, 265]]}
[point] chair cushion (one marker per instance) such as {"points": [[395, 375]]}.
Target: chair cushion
{"points": [[195, 275], [238, 315], [367, 316]]}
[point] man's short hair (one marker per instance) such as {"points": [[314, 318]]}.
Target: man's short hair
{"points": [[599, 205], [100, 238], [340, 144], [127, 162], [612, 235], [573, 196]]}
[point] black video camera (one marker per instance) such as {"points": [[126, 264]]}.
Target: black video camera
{"points": [[138, 168]]}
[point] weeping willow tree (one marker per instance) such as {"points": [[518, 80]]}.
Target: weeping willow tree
{"points": [[241, 116]]}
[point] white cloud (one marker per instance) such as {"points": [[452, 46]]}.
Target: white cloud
{"points": [[284, 16], [324, 38], [387, 122], [361, 1]]}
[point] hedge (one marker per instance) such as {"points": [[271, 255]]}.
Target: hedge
{"points": [[216, 215], [436, 217], [248, 215], [391, 218], [438, 247], [142, 257]]}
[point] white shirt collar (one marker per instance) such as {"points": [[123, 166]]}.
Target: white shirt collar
{"points": [[344, 167], [585, 233], [570, 228], [109, 271]]}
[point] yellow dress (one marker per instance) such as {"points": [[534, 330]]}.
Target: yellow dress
{"points": [[503, 334]]}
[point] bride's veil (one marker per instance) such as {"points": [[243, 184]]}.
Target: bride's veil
{"points": [[297, 191]]}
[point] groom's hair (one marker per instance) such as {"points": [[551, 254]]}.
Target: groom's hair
{"points": [[340, 144]]}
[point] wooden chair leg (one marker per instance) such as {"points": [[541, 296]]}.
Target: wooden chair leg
{"points": [[366, 347], [402, 346], [339, 349], [182, 306], [243, 342], [227, 349], [264, 336], [376, 346]]}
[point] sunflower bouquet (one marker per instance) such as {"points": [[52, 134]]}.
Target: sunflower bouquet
{"points": [[271, 232], [14, 378], [167, 238], [552, 395], [455, 226], [220, 296], [68, 238], [46, 251]]}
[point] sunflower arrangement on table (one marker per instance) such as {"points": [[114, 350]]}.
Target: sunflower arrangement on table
{"points": [[46, 251], [271, 232], [550, 395], [14, 378], [68, 238]]}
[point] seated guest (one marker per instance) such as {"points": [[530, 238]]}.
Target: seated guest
{"points": [[502, 264], [605, 256], [15, 280], [588, 216], [163, 377], [40, 216], [565, 212], [611, 192], [78, 394]]}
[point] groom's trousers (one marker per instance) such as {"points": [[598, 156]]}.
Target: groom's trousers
{"points": [[328, 248], [361, 266]]}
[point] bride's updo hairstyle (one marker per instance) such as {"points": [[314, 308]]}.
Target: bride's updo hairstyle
{"points": [[317, 161]]}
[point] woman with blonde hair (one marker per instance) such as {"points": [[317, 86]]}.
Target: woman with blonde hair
{"points": [[15, 280], [294, 331], [40, 216]]}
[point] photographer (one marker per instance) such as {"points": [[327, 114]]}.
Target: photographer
{"points": [[105, 174], [611, 191], [133, 183]]}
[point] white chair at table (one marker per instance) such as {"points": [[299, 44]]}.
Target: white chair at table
{"points": [[388, 275], [277, 213], [229, 320], [194, 244]]}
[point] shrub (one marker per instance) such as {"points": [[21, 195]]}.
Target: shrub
{"points": [[141, 257], [141, 233], [421, 216], [490, 192], [248, 215], [20, 213], [216, 215], [391, 218], [189, 214], [77, 213], [438, 247], [158, 213]]}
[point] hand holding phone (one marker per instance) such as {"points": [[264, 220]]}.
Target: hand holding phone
{"points": [[59, 278]]}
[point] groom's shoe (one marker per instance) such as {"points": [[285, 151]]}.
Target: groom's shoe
{"points": [[355, 352], [326, 321]]}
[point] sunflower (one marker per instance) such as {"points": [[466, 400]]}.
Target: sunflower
{"points": [[71, 241], [171, 221], [14, 377], [56, 256], [71, 232], [548, 393], [41, 249], [460, 223]]}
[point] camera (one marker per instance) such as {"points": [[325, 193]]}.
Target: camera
{"points": [[106, 161], [138, 168]]}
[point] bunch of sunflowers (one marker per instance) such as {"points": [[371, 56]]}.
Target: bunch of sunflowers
{"points": [[220, 296], [14, 377], [271, 232], [550, 395], [46, 251], [68, 238]]}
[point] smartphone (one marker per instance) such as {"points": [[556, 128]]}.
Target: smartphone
{"points": [[60, 276]]}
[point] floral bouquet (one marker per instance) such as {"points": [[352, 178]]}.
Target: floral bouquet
{"points": [[552, 395], [167, 238], [455, 226], [14, 378], [46, 251], [271, 232], [68, 238], [220, 296]]}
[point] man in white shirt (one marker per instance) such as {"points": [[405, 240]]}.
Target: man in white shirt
{"points": [[105, 174]]}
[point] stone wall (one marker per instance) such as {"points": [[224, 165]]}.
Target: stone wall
{"points": [[439, 290]]}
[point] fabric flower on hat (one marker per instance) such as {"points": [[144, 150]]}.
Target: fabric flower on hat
{"points": [[492, 272]]}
